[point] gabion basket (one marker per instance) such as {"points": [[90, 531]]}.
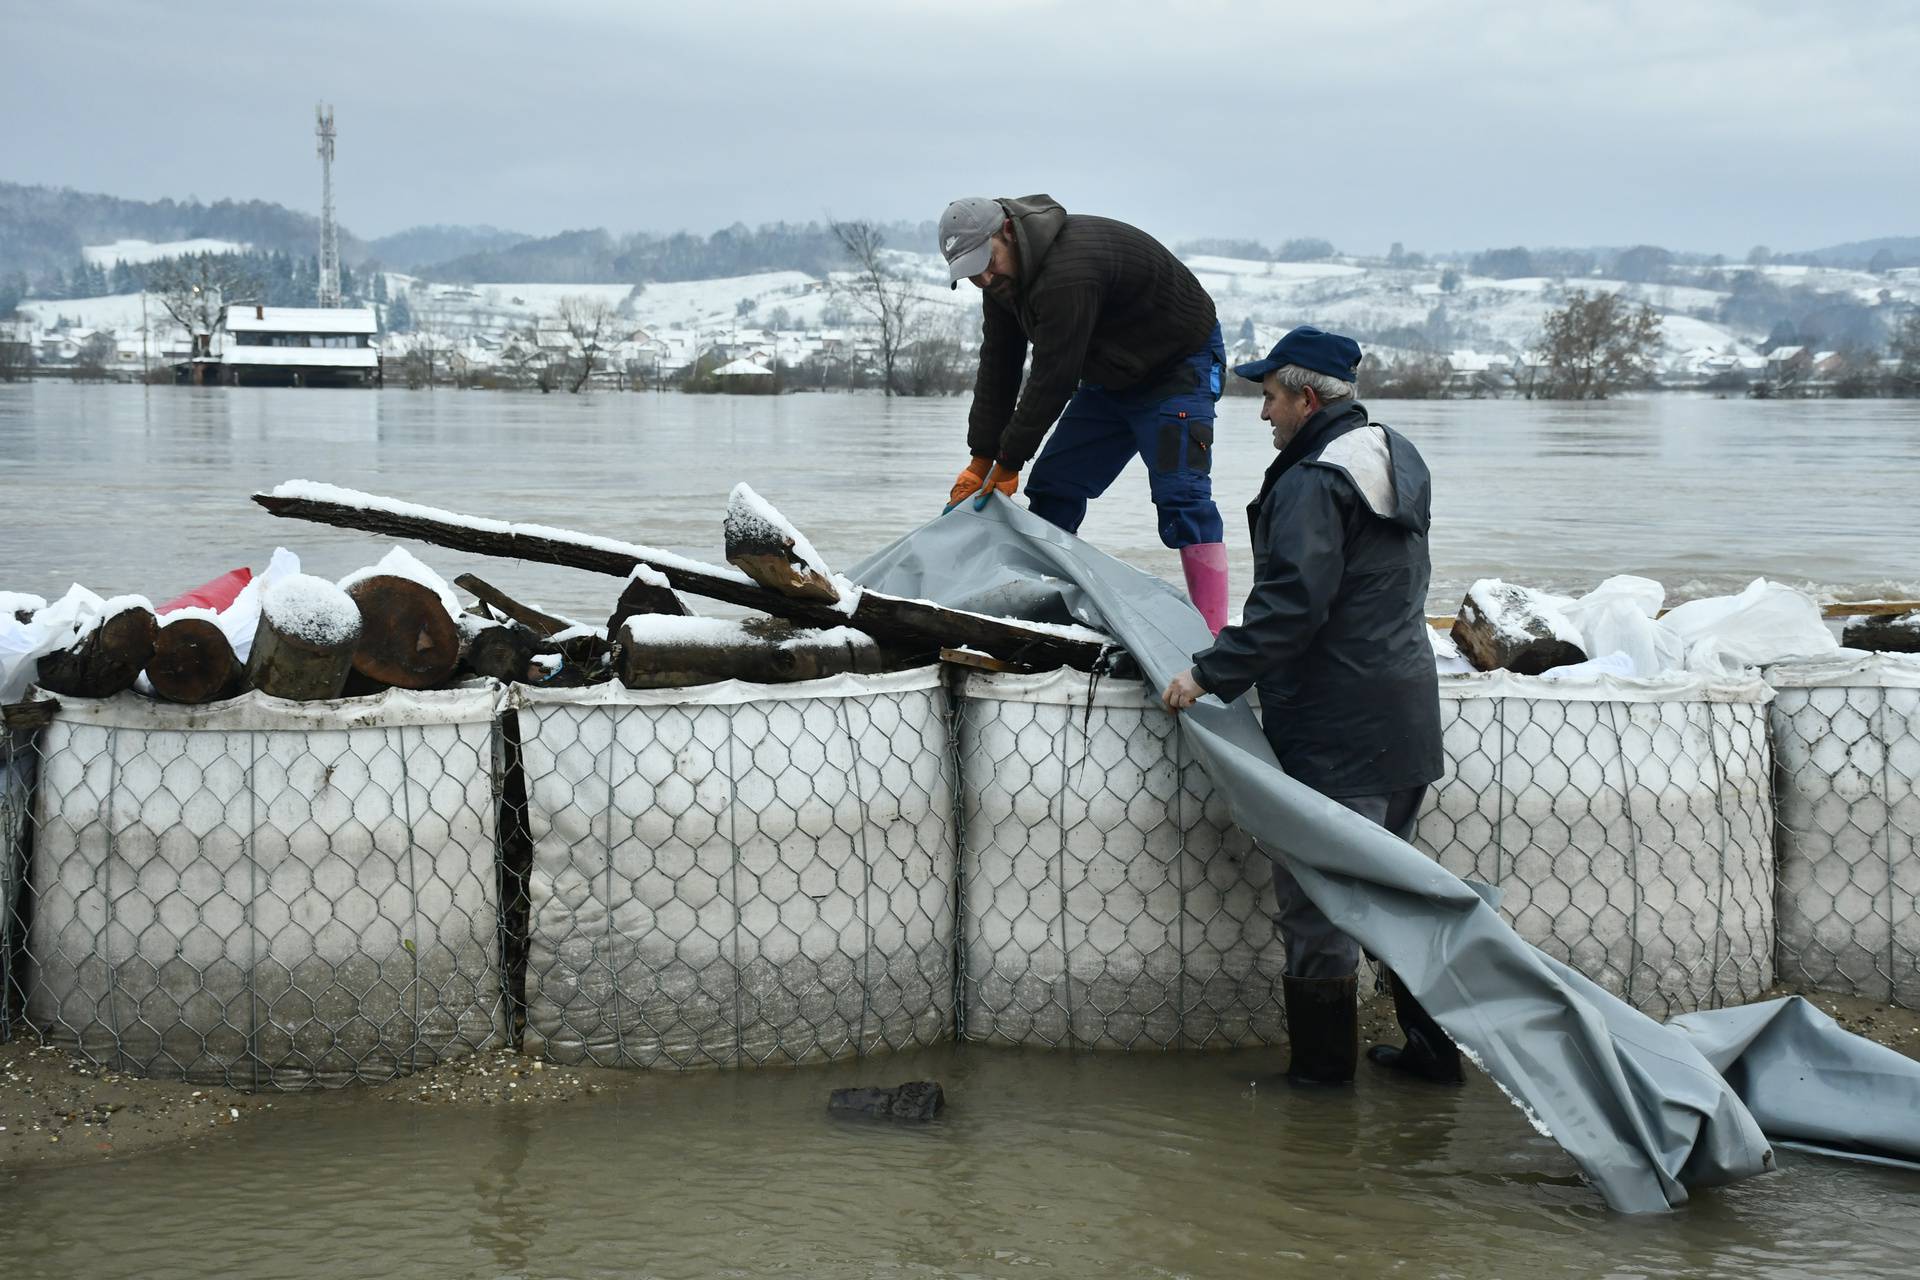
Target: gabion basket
{"points": [[1108, 901], [267, 894], [736, 874], [1627, 824], [1847, 738]]}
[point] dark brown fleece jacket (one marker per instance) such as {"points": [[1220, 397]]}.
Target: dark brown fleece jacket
{"points": [[1099, 301]]}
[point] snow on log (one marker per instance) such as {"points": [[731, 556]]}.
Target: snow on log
{"points": [[106, 657], [659, 651], [916, 626], [762, 545], [1503, 626], [408, 640], [20, 605], [303, 645], [1884, 634], [193, 662], [646, 592]]}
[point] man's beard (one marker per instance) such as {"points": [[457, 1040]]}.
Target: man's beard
{"points": [[1001, 287]]}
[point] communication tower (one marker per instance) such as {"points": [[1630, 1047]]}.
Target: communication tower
{"points": [[329, 243]]}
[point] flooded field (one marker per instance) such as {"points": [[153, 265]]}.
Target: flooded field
{"points": [[144, 489]]}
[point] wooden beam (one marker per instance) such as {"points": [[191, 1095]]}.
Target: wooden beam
{"points": [[541, 623], [910, 624]]}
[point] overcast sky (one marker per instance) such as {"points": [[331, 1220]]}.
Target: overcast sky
{"points": [[1697, 124]]}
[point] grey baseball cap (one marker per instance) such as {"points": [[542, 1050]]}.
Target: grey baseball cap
{"points": [[965, 228]]}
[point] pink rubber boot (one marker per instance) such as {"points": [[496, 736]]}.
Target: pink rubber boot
{"points": [[1205, 565]]}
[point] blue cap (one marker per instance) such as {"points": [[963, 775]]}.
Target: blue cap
{"points": [[1310, 348]]}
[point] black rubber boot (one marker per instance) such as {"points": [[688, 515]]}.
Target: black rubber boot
{"points": [[1429, 1053], [1323, 1029]]}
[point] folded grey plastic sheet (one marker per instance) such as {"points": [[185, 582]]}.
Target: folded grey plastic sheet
{"points": [[1638, 1105]]}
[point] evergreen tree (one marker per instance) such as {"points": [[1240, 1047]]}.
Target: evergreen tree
{"points": [[1246, 329], [124, 279], [399, 315], [380, 287]]}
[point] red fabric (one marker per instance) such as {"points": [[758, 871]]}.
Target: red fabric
{"points": [[215, 595]]}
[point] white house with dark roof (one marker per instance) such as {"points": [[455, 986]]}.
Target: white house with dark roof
{"points": [[298, 346]]}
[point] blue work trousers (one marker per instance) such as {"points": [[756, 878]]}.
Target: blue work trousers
{"points": [[1169, 425]]}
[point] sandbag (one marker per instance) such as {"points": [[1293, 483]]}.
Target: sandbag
{"points": [[1109, 902], [267, 894], [1626, 822], [737, 874], [1846, 733]]}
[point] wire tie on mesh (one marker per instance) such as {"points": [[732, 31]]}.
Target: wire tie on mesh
{"points": [[733, 842], [1726, 834], [413, 886]]}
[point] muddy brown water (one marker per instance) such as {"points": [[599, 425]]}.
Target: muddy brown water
{"points": [[1081, 1165], [1071, 1164], [143, 489]]}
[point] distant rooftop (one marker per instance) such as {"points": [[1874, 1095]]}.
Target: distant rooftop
{"points": [[249, 318]]}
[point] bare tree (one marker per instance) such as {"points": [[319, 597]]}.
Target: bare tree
{"points": [[888, 298], [1596, 345], [1906, 356], [16, 350], [596, 329], [193, 291]]}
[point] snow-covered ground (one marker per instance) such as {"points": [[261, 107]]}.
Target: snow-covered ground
{"points": [[138, 251], [1389, 308]]}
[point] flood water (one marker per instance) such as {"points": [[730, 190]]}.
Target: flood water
{"points": [[1046, 1163], [136, 489], [1080, 1165]]}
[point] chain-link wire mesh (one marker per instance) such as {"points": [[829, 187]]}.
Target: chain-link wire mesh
{"points": [[263, 895], [18, 765], [1847, 741], [1108, 900], [738, 875], [1629, 830]]}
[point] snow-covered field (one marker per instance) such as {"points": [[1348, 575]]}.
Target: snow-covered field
{"points": [[1367, 298], [138, 251]]}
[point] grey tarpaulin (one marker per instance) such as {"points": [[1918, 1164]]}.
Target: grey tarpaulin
{"points": [[1636, 1104], [1807, 1082]]}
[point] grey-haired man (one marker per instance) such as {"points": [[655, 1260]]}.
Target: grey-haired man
{"points": [[1334, 636]]}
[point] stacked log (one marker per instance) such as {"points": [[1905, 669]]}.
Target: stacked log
{"points": [[193, 662], [1506, 627], [303, 648], [105, 659]]}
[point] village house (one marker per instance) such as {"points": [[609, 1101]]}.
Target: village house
{"points": [[293, 346]]}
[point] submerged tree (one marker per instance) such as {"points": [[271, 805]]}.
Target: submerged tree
{"points": [[594, 325], [1596, 345], [888, 298], [1906, 356], [194, 290]]}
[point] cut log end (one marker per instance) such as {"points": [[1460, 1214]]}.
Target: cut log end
{"points": [[193, 663], [1885, 635], [1502, 627], [777, 570], [105, 661], [407, 639]]}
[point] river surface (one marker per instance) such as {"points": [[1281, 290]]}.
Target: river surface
{"points": [[1078, 1165], [144, 489], [1149, 1165]]}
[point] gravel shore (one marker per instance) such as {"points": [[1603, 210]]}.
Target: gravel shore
{"points": [[58, 1109]]}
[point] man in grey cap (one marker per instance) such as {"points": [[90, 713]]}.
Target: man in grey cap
{"points": [[1126, 355]]}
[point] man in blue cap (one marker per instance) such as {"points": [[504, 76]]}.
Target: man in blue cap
{"points": [[1334, 636]]}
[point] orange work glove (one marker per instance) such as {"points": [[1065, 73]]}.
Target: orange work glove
{"points": [[970, 480]]}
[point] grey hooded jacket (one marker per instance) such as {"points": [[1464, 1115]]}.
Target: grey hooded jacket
{"points": [[1334, 634], [1098, 300]]}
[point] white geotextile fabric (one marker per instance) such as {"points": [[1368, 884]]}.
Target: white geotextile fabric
{"points": [[1671, 687], [1627, 823], [733, 874], [1847, 736], [265, 893], [727, 693], [1109, 902]]}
